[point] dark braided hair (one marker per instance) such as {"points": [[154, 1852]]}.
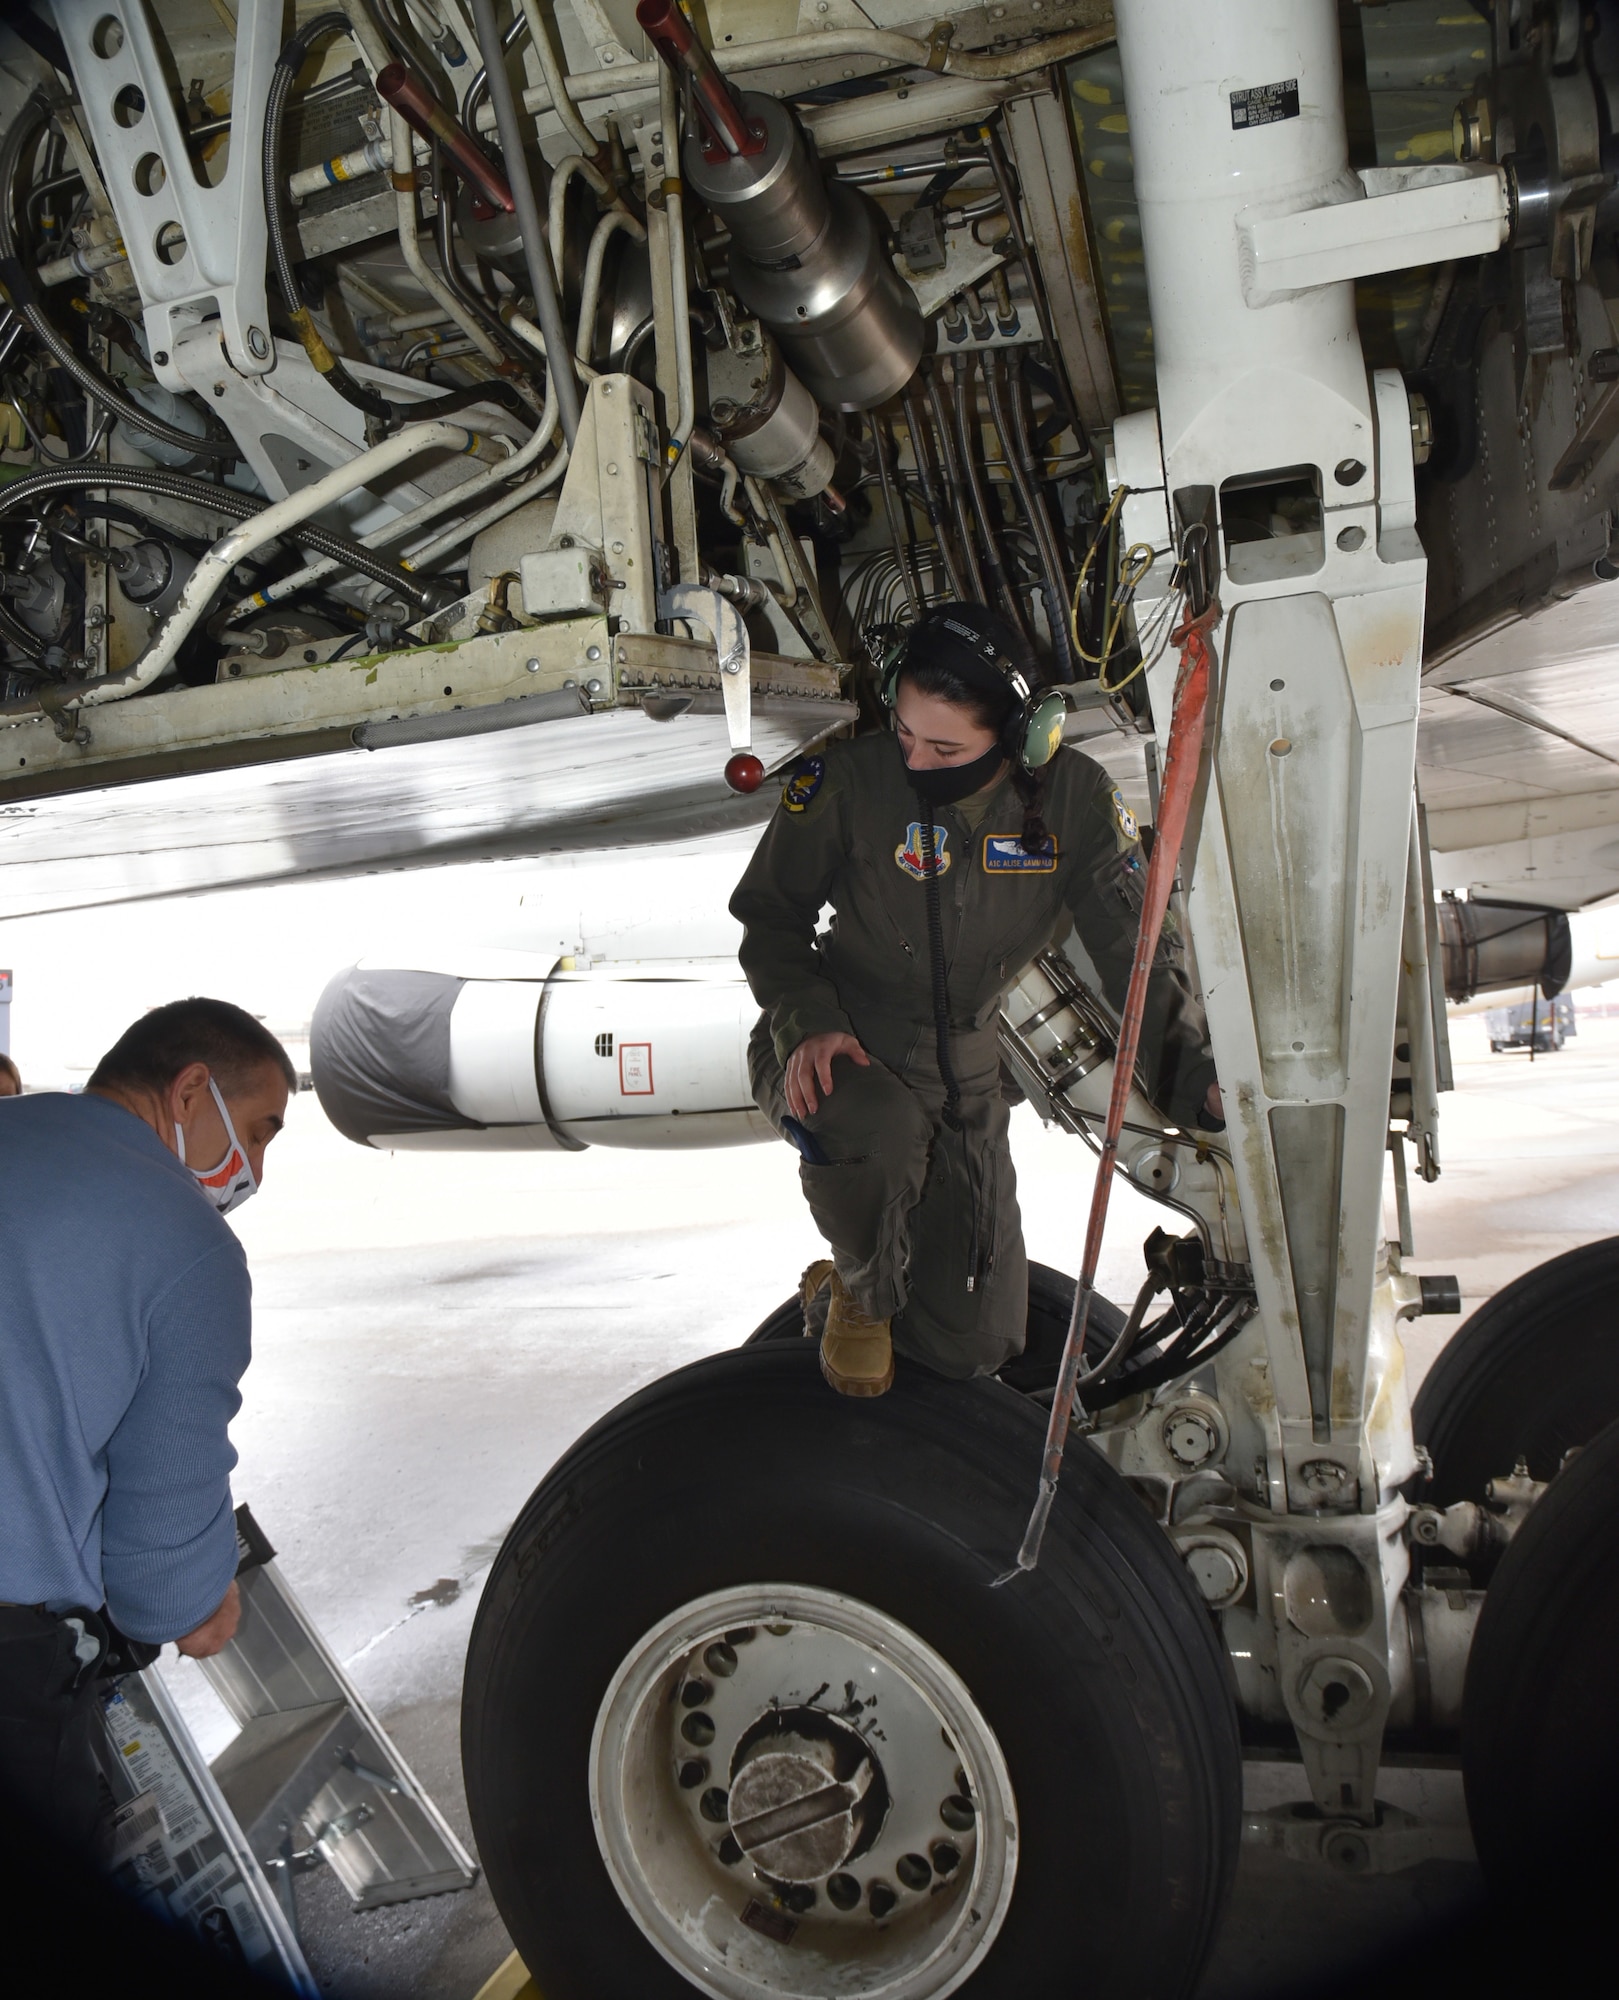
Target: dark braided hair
{"points": [[937, 675]]}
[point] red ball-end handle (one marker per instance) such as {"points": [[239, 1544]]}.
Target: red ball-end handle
{"points": [[744, 773]]}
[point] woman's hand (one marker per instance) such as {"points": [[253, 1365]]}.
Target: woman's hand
{"points": [[811, 1063]]}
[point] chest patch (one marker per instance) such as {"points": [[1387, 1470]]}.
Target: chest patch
{"points": [[805, 782], [1126, 819], [1004, 855], [908, 855]]}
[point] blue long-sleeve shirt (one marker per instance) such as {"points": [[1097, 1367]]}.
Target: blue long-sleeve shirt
{"points": [[125, 1327]]}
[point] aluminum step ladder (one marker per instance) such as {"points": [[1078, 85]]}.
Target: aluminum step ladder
{"points": [[310, 1778]]}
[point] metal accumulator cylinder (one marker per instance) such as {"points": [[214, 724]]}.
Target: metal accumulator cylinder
{"points": [[807, 257], [765, 417]]}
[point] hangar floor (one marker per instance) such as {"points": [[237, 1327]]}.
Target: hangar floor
{"points": [[432, 1333]]}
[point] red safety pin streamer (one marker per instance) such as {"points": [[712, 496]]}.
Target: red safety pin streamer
{"points": [[1174, 806]]}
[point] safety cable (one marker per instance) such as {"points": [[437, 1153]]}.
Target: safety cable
{"points": [[1138, 559]]}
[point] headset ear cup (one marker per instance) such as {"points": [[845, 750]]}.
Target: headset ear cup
{"points": [[1042, 730]]}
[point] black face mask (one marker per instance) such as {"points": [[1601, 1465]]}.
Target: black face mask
{"points": [[954, 782]]}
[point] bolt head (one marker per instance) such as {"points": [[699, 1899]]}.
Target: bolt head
{"points": [[161, 357], [593, 687], [593, 652], [533, 666]]}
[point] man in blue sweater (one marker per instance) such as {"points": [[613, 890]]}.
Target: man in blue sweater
{"points": [[124, 1331]]}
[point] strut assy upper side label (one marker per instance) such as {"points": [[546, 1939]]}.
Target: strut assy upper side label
{"points": [[1264, 104]]}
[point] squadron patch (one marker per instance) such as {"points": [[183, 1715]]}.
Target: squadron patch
{"points": [[908, 855], [805, 782], [1128, 824], [1004, 855]]}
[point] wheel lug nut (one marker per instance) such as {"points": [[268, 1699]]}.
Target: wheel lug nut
{"points": [[692, 1773], [799, 1897], [699, 1729], [720, 1659], [842, 1891], [946, 1859], [694, 1694], [881, 1899], [715, 1805], [956, 1811], [914, 1871]]}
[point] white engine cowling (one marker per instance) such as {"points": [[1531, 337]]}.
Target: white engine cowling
{"points": [[648, 1053]]}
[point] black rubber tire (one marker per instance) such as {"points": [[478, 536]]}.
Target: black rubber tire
{"points": [[1051, 1301], [1540, 1730], [1533, 1372], [1100, 1674]]}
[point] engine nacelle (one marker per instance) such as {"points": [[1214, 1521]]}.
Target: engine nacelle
{"points": [[647, 1053]]}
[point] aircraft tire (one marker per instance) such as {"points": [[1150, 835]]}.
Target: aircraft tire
{"points": [[1540, 1733], [1532, 1373], [1088, 1705]]}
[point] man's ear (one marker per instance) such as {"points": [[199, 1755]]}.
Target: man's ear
{"points": [[187, 1086]]}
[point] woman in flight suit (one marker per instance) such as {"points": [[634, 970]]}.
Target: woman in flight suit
{"points": [[876, 1053]]}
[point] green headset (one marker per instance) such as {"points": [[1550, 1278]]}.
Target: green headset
{"points": [[1031, 735]]}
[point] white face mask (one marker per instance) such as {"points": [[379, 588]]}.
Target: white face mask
{"points": [[229, 1184]]}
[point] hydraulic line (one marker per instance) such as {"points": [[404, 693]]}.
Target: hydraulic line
{"points": [[891, 507], [162, 484], [472, 307], [1174, 808], [292, 59], [936, 512], [995, 570], [25, 130], [958, 492], [1003, 396], [590, 296], [1042, 306], [264, 524], [541, 280]]}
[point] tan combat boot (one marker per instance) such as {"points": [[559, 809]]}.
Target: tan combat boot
{"points": [[857, 1355]]}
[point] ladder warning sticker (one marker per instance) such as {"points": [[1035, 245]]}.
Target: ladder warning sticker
{"points": [[635, 1069], [1264, 104]]}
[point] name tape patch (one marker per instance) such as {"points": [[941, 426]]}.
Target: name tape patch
{"points": [[1004, 855], [1264, 104], [908, 855]]}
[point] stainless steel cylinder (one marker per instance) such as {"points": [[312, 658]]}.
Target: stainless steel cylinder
{"points": [[769, 422], [808, 258]]}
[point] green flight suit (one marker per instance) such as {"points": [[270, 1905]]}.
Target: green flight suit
{"points": [[923, 1222]]}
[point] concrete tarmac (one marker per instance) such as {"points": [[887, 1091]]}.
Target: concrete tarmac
{"points": [[432, 1331]]}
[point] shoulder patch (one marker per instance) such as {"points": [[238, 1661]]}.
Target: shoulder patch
{"points": [[1127, 822], [1004, 855], [908, 855], [804, 783]]}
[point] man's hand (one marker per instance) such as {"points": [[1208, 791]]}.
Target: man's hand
{"points": [[214, 1634], [811, 1063], [1214, 1103]]}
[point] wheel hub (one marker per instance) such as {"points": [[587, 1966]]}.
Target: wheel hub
{"points": [[796, 1797], [799, 1796]]}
